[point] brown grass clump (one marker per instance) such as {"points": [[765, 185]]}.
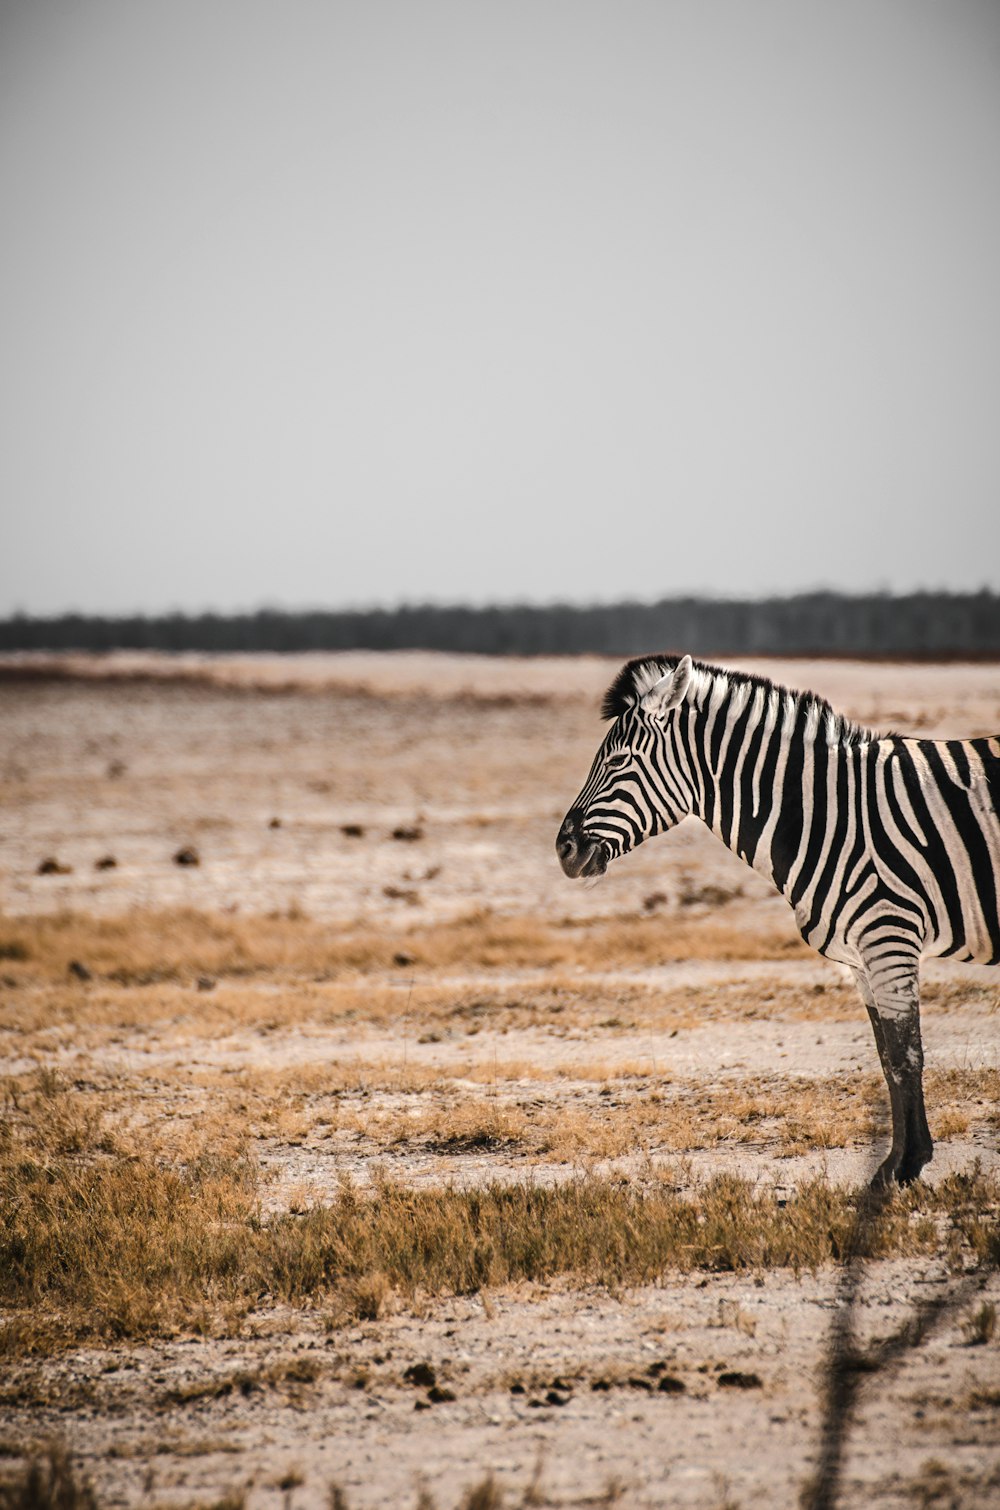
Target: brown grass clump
{"points": [[383, 1108], [647, 1114], [142, 947], [47, 1483], [436, 1004], [938, 1486], [980, 1326]]}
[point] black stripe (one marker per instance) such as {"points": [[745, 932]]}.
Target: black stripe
{"points": [[707, 771], [727, 776], [899, 864], [934, 847], [816, 773], [748, 831], [847, 777], [788, 829]]}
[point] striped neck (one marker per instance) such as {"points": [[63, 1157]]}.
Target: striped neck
{"points": [[753, 750]]}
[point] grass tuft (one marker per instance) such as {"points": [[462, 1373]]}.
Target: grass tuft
{"points": [[122, 1247], [143, 947], [47, 1483], [486, 1495]]}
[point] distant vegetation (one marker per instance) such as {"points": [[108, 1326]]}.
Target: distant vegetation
{"points": [[925, 624]]}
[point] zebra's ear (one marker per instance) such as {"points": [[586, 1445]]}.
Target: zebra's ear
{"points": [[665, 694]]}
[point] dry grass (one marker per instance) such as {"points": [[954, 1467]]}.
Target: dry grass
{"points": [[100, 1238], [387, 1109], [145, 947], [647, 1116], [444, 1008], [938, 1486], [49, 1482], [271, 972]]}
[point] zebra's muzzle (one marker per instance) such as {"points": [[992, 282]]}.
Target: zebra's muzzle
{"points": [[579, 854]]}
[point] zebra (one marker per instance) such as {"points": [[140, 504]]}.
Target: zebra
{"points": [[886, 847]]}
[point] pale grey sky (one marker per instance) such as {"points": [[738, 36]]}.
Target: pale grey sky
{"points": [[353, 303]]}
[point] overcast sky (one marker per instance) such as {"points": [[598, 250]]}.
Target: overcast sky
{"points": [[319, 303]]}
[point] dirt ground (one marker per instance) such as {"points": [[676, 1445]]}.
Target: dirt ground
{"points": [[666, 1020]]}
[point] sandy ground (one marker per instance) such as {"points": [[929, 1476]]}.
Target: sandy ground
{"points": [[270, 767]]}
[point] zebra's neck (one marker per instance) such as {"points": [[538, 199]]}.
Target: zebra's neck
{"points": [[757, 755]]}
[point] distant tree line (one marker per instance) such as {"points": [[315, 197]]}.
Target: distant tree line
{"points": [[923, 625]]}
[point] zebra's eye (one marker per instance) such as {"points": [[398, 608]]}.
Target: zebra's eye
{"points": [[618, 762]]}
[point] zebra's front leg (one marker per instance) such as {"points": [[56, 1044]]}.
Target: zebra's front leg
{"points": [[892, 996]]}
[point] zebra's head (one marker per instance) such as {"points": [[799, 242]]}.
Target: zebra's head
{"points": [[633, 790]]}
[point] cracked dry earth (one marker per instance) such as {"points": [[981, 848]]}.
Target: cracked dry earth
{"points": [[494, 1023]]}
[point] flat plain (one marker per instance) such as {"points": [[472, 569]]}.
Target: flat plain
{"points": [[350, 1155]]}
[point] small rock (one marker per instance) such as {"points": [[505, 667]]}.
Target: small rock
{"points": [[402, 894], [50, 866], [408, 833], [274, 823], [352, 830], [79, 970], [733, 1379], [555, 1398], [106, 862], [402, 959], [438, 1395], [187, 856], [421, 1374], [603, 1385], [671, 1385], [206, 983], [517, 1388], [421, 1405]]}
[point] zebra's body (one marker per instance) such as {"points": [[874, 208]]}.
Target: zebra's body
{"points": [[886, 848]]}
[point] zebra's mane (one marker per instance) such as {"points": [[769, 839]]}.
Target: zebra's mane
{"points": [[637, 676]]}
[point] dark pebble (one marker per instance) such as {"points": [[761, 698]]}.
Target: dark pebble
{"points": [[421, 1374], [79, 970], [733, 1379], [187, 856], [50, 866]]}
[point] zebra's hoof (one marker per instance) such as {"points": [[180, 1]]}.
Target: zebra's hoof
{"points": [[913, 1162]]}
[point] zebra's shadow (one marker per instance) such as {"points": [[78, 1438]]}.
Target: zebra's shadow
{"points": [[847, 1362]]}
